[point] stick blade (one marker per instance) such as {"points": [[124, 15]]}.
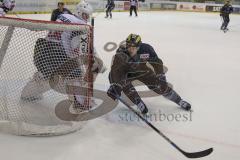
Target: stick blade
{"points": [[199, 154]]}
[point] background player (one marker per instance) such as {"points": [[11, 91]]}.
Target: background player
{"points": [[59, 10], [5, 6], [110, 6], [61, 49], [224, 13], [138, 61], [133, 7]]}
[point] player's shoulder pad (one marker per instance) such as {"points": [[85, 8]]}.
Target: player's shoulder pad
{"points": [[145, 45], [121, 57], [122, 49], [147, 48]]}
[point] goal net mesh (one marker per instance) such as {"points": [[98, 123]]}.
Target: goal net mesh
{"points": [[33, 51]]}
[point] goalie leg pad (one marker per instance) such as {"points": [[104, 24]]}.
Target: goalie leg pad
{"points": [[35, 88], [80, 101]]}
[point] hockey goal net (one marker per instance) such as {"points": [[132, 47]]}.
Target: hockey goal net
{"points": [[27, 55]]}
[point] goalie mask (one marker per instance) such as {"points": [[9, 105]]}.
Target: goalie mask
{"points": [[84, 10]]}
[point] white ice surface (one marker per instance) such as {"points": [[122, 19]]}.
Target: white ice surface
{"points": [[203, 65]]}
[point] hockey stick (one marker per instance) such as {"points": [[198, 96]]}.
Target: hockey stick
{"points": [[187, 154]]}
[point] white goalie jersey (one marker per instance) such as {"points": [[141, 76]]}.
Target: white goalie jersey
{"points": [[36, 85], [62, 53], [68, 39]]}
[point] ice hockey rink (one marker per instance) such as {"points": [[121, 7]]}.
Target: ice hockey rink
{"points": [[203, 66]]}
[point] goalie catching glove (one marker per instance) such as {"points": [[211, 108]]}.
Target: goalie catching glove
{"points": [[98, 66]]}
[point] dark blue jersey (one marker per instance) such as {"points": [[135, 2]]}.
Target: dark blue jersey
{"points": [[226, 9], [57, 12], [125, 66], [110, 3]]}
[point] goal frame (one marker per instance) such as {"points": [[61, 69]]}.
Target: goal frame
{"points": [[41, 25]]}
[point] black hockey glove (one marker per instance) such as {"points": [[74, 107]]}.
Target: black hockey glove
{"points": [[162, 79], [114, 91]]}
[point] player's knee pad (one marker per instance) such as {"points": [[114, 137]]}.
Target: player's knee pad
{"points": [[131, 93], [162, 90], [159, 88], [152, 87]]}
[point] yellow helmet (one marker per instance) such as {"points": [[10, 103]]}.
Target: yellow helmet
{"points": [[133, 40]]}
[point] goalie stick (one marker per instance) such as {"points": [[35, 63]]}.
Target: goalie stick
{"points": [[187, 154], [5, 43]]}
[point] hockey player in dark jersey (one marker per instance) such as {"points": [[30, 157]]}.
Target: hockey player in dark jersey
{"points": [[138, 61], [110, 6], [60, 10], [224, 13], [6, 6]]}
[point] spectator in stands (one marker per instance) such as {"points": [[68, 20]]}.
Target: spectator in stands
{"points": [[59, 10]]}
